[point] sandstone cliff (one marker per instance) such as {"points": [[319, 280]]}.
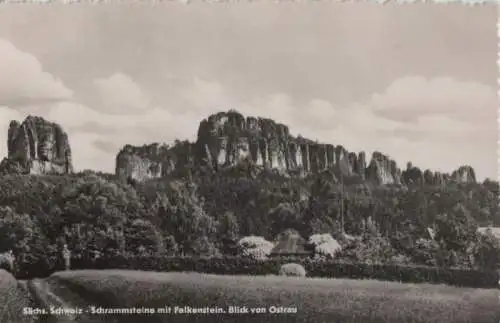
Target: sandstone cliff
{"points": [[224, 139], [153, 161], [37, 146], [383, 170], [228, 138]]}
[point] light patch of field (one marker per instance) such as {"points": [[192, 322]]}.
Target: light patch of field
{"points": [[13, 298], [316, 299]]}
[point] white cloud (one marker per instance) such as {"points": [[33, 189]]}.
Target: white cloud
{"points": [[23, 81], [410, 97], [278, 106], [202, 95], [119, 94], [322, 113], [71, 114], [86, 156]]}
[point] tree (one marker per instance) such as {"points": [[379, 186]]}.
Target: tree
{"points": [[456, 229], [205, 248], [487, 251], [285, 215], [94, 200], [255, 247], [170, 245], [228, 233], [187, 218], [426, 252], [19, 233], [324, 245], [374, 250], [142, 234]]}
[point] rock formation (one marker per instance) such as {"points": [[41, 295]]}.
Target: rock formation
{"points": [[413, 175], [37, 146], [141, 163], [152, 161], [464, 174], [383, 170], [228, 138]]}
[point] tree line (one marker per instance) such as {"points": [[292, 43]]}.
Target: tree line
{"points": [[206, 213]]}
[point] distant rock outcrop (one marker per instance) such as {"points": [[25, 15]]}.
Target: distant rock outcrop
{"points": [[227, 138], [464, 174], [153, 161], [37, 146], [383, 170], [141, 163], [413, 175]]}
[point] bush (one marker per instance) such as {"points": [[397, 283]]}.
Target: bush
{"points": [[324, 245], [255, 247], [292, 269], [6, 263], [13, 299], [318, 239]]}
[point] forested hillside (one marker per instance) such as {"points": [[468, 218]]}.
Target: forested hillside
{"points": [[206, 213]]}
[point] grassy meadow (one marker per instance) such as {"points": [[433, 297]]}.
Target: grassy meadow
{"points": [[315, 300]]}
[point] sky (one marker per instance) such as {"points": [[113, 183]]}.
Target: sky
{"points": [[417, 82]]}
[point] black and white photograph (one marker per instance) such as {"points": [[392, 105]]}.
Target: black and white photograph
{"points": [[309, 161]]}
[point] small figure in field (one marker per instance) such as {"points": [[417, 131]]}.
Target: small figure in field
{"points": [[67, 257], [11, 259]]}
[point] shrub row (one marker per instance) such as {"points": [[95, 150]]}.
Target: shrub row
{"points": [[314, 268], [248, 266]]}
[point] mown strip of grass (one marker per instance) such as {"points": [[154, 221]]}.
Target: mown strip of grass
{"points": [[12, 300], [316, 300]]}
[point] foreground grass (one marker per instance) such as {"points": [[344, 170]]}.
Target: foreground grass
{"points": [[316, 300], [12, 300]]}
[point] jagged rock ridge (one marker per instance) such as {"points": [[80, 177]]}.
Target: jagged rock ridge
{"points": [[227, 138], [37, 146]]}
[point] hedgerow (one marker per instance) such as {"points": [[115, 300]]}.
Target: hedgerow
{"points": [[314, 268]]}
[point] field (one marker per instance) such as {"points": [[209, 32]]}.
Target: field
{"points": [[12, 299], [315, 300]]}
